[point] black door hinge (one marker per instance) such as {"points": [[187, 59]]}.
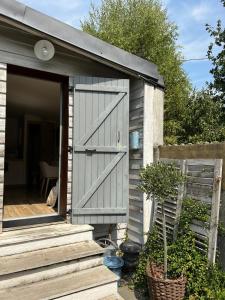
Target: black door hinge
{"points": [[71, 89], [70, 149]]}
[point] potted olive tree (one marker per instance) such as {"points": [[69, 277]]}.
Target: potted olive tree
{"points": [[160, 181]]}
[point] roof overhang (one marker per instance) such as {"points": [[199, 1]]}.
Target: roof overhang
{"points": [[80, 41]]}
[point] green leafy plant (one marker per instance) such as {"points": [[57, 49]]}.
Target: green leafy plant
{"points": [[161, 180], [203, 281], [216, 55], [143, 28], [202, 119]]}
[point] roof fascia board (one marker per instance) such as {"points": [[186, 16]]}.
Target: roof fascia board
{"points": [[85, 43], [71, 48]]}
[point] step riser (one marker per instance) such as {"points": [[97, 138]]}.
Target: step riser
{"points": [[92, 293], [28, 277], [45, 243]]}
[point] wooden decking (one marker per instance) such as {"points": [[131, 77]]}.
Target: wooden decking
{"points": [[20, 203]]}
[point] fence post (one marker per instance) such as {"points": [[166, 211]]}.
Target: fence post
{"points": [[180, 197], [214, 220]]}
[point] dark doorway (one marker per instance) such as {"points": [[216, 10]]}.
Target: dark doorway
{"points": [[36, 136]]}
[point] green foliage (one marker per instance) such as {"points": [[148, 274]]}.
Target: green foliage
{"points": [[204, 282], [160, 180], [216, 53], [153, 250], [202, 120], [142, 28], [193, 210]]}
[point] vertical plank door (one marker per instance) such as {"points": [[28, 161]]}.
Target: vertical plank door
{"points": [[100, 150]]}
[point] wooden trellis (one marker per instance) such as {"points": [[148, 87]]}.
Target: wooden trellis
{"points": [[203, 184]]}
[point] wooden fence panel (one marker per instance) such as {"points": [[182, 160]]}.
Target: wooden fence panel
{"points": [[203, 184]]}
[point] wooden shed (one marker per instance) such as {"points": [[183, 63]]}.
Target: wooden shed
{"points": [[68, 103]]}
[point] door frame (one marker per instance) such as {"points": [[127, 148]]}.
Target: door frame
{"points": [[63, 147]]}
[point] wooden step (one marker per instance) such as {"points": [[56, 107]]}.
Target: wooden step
{"points": [[43, 264], [45, 273], [112, 297], [49, 256], [89, 284], [25, 240]]}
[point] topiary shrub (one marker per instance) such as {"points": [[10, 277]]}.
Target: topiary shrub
{"points": [[161, 180]]}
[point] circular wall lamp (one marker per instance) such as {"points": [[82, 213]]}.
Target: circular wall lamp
{"points": [[44, 50]]}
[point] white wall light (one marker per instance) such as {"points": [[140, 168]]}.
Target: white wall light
{"points": [[44, 50]]}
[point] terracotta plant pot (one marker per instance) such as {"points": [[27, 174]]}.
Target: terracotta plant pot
{"points": [[164, 289]]}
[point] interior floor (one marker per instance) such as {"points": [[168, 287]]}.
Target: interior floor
{"points": [[20, 203]]}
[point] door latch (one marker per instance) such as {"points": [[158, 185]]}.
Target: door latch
{"points": [[90, 150]]}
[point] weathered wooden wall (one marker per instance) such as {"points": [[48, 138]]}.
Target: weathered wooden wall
{"points": [[3, 74], [146, 116], [135, 223]]}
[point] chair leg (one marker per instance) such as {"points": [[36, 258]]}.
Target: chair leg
{"points": [[46, 188], [42, 185]]}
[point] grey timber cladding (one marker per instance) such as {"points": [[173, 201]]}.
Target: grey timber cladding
{"points": [[135, 223], [3, 74], [100, 150]]}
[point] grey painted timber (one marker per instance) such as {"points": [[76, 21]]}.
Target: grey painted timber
{"points": [[100, 178]]}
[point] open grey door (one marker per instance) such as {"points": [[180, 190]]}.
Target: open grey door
{"points": [[100, 150]]}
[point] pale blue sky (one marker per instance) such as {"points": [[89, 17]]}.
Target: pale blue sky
{"points": [[190, 16]]}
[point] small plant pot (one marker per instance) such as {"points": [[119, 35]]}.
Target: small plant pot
{"points": [[164, 289]]}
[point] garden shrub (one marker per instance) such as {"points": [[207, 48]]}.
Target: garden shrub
{"points": [[203, 281]]}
